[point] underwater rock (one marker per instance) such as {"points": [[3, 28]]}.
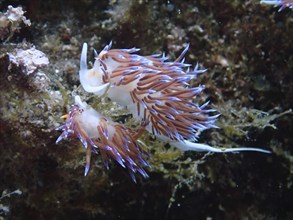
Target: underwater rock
{"points": [[30, 62], [10, 22]]}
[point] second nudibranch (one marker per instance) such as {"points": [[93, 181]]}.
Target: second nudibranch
{"points": [[156, 92], [279, 3], [99, 134]]}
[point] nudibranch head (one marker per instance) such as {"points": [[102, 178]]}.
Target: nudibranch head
{"points": [[99, 134], [91, 79]]}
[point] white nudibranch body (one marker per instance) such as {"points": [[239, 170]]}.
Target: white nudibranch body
{"points": [[156, 92]]}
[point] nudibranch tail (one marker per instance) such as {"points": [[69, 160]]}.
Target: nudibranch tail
{"points": [[187, 145], [99, 134]]}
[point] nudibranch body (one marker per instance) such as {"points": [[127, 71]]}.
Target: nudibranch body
{"points": [[153, 90], [99, 134], [156, 92], [279, 3]]}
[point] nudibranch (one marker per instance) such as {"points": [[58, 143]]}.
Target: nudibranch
{"points": [[279, 3], [156, 92], [100, 134]]}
